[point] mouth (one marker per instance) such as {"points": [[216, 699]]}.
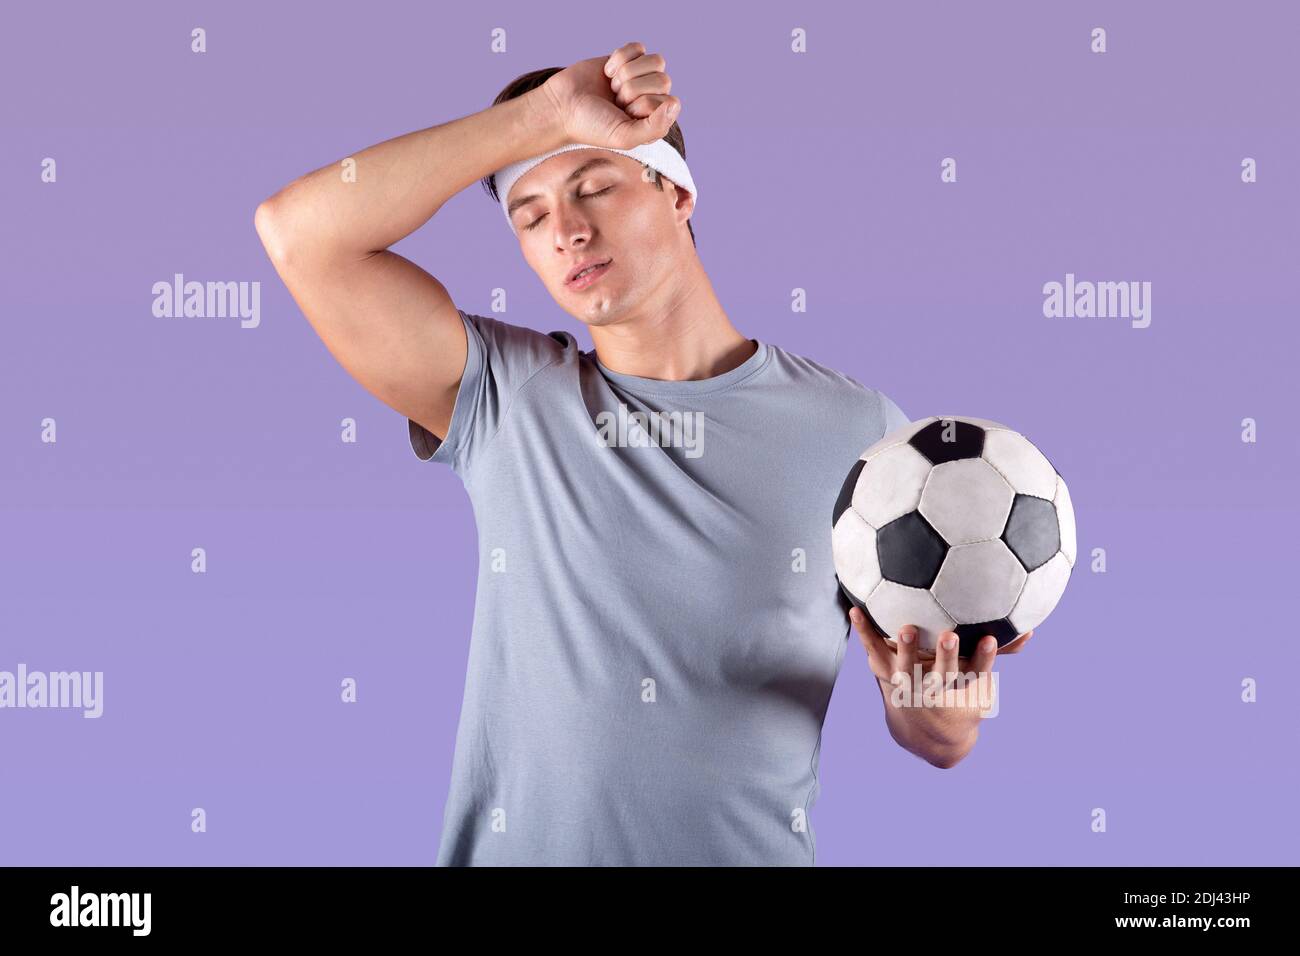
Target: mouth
{"points": [[585, 275]]}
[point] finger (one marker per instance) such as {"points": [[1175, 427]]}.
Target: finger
{"points": [[643, 106], [945, 656], [908, 635], [660, 83], [983, 693], [974, 689], [652, 127], [986, 651], [620, 56], [1018, 645], [880, 657], [636, 67]]}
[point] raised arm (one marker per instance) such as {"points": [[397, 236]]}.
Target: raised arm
{"points": [[389, 323]]}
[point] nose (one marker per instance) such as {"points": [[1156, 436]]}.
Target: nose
{"points": [[571, 229]]}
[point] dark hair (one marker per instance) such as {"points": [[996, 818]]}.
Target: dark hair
{"points": [[530, 81]]}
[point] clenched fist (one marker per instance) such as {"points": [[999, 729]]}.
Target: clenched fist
{"points": [[617, 101]]}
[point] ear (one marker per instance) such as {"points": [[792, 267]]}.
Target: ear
{"points": [[685, 204]]}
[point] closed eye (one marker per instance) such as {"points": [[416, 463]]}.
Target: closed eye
{"points": [[534, 223]]}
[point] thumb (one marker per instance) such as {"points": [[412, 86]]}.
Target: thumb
{"points": [[656, 125], [671, 107]]}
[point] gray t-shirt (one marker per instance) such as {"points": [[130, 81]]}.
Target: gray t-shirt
{"points": [[657, 624]]}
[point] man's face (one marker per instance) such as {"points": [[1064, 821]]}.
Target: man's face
{"points": [[592, 204]]}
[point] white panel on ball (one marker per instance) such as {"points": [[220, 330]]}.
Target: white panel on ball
{"points": [[966, 501], [853, 546], [979, 582], [890, 485], [1023, 465], [1065, 514], [895, 605], [1042, 590]]}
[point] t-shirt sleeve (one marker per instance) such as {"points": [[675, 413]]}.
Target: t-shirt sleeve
{"points": [[499, 360], [894, 417]]}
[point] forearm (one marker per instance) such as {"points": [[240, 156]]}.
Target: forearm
{"points": [[400, 183], [938, 737]]}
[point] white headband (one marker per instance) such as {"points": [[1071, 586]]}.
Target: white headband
{"points": [[658, 155]]}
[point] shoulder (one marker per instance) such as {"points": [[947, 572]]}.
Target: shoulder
{"points": [[509, 356], [821, 379], [502, 358], [508, 338], [829, 391]]}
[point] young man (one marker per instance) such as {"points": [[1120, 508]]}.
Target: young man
{"points": [[658, 625]]}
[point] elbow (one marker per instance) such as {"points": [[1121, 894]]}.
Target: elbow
{"points": [[270, 230], [949, 757], [946, 761], [945, 755]]}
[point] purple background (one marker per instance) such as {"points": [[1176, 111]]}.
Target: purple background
{"points": [[817, 171]]}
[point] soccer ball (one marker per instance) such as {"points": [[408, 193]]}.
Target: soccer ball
{"points": [[953, 524]]}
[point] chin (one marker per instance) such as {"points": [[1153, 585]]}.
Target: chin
{"points": [[599, 313]]}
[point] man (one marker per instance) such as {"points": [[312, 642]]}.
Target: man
{"points": [[658, 626]]}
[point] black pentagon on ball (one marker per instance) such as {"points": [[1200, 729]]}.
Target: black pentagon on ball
{"points": [[971, 634], [845, 499], [967, 441], [1033, 532], [910, 551]]}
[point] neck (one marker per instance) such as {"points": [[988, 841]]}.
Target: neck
{"points": [[680, 336]]}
